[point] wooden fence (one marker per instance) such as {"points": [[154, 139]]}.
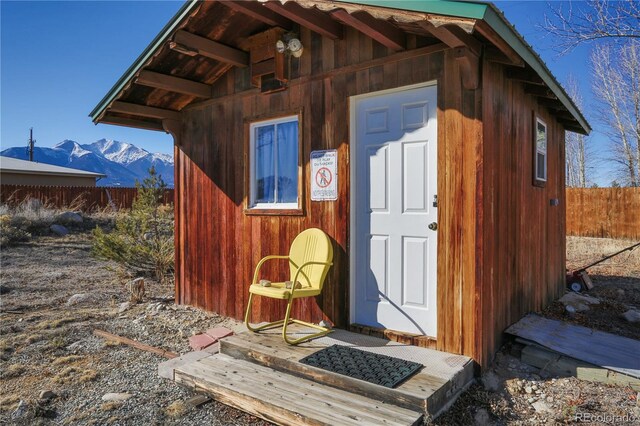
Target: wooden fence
{"points": [[604, 212], [77, 197]]}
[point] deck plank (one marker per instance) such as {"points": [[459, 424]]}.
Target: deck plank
{"points": [[283, 398]]}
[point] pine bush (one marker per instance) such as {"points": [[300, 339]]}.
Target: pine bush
{"points": [[142, 240]]}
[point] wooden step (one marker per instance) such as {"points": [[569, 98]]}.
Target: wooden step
{"points": [[285, 399], [423, 392]]}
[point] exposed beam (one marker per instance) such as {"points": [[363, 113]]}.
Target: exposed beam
{"points": [[128, 122], [552, 104], [490, 34], [539, 91], [469, 66], [453, 36], [143, 110], [173, 127], [173, 84], [523, 74], [258, 12], [381, 31], [309, 18], [493, 54], [212, 49]]}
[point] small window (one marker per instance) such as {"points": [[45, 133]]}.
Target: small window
{"points": [[274, 162], [540, 154]]}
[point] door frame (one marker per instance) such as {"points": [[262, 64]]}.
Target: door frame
{"points": [[352, 183]]}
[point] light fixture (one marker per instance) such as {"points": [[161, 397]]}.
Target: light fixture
{"points": [[290, 44]]}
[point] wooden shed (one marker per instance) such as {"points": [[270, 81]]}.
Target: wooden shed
{"points": [[425, 137]]}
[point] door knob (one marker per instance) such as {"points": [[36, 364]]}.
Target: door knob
{"points": [[433, 226]]}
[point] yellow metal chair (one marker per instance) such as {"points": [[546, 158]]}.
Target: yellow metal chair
{"points": [[309, 260]]}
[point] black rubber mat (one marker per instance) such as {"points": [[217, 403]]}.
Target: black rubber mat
{"points": [[374, 368]]}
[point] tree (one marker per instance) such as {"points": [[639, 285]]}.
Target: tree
{"points": [[577, 153], [593, 20], [617, 88], [142, 241]]}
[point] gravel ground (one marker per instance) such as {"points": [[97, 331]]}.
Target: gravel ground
{"points": [[47, 345]]}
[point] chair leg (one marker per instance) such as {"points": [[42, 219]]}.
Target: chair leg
{"points": [[248, 314], [287, 319]]}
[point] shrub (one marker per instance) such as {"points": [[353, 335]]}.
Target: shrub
{"points": [[142, 241], [9, 233]]}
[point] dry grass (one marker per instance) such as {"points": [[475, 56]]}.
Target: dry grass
{"points": [[54, 323], [67, 359], [582, 251], [14, 370], [74, 374], [176, 409], [111, 405], [9, 402]]}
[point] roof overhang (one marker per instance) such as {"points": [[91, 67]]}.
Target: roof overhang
{"points": [[485, 19], [47, 173]]}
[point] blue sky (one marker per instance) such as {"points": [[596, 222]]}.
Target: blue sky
{"points": [[59, 58]]}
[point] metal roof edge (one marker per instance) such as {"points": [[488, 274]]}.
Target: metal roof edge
{"points": [[177, 19], [499, 23], [53, 173], [461, 9]]}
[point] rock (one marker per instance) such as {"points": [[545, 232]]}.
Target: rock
{"points": [[116, 396], [528, 389], [491, 381], [580, 302], [124, 307], [541, 407], [632, 315], [570, 309], [78, 298], [4, 289], [69, 218], [481, 418], [620, 292], [47, 395], [59, 230], [20, 411], [74, 346], [325, 324]]}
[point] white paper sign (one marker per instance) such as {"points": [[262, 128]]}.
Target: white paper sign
{"points": [[324, 175]]}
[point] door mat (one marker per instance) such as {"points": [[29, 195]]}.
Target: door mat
{"points": [[374, 368]]}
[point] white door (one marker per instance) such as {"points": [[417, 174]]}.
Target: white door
{"points": [[394, 182]]}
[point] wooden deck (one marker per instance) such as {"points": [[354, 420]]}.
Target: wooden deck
{"points": [[260, 374]]}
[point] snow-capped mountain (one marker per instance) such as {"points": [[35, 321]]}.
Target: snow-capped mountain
{"points": [[122, 162]]}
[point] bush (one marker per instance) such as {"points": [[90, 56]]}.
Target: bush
{"points": [[9, 233], [142, 241]]}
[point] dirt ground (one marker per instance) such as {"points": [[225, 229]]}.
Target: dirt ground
{"points": [[46, 344]]}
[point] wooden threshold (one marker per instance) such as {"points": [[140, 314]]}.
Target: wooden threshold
{"points": [[395, 336]]}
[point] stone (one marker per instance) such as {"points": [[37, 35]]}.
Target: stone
{"points": [[620, 292], [528, 389], [59, 230], [5, 289], [218, 333], [541, 407], [580, 302], [124, 307], [491, 381], [69, 218], [20, 411], [74, 346], [201, 341], [47, 395], [325, 324], [116, 396], [78, 298], [481, 418], [632, 316]]}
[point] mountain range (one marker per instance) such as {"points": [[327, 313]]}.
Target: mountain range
{"points": [[122, 162]]}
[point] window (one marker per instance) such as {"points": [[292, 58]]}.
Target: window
{"points": [[274, 162], [540, 154]]}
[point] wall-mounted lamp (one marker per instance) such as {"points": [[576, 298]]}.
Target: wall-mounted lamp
{"points": [[290, 44]]}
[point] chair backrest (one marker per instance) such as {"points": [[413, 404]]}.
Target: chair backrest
{"points": [[311, 244]]}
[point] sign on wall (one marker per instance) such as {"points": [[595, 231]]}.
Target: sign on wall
{"points": [[324, 175]]}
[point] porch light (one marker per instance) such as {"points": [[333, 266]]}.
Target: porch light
{"points": [[290, 44]]}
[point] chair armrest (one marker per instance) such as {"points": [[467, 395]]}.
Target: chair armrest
{"points": [[311, 262], [262, 261]]}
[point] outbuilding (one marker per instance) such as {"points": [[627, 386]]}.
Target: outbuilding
{"points": [[426, 138], [14, 171]]}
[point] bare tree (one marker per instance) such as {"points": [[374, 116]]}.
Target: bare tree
{"points": [[573, 24], [577, 153], [616, 85]]}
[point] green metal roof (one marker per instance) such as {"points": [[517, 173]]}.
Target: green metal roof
{"points": [[462, 9]]}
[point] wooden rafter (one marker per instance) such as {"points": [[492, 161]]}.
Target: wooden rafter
{"points": [[469, 66], [258, 12], [309, 18], [144, 110], [453, 36], [539, 91], [212, 49], [552, 104], [489, 33], [129, 122], [526, 75], [381, 31], [173, 84]]}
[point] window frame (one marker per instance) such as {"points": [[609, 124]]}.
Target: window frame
{"points": [[538, 180], [280, 209]]}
